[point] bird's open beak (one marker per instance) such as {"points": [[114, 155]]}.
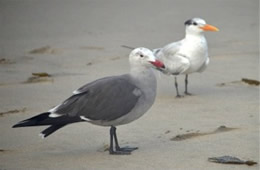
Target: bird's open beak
{"points": [[208, 27], [157, 64]]}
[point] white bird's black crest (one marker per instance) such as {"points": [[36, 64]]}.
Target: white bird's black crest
{"points": [[190, 22]]}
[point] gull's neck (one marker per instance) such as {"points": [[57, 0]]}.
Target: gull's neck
{"points": [[145, 79], [140, 71]]}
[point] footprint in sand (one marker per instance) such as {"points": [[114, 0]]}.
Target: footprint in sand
{"points": [[186, 136], [45, 50]]}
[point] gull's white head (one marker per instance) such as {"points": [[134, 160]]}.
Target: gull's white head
{"points": [[144, 57], [198, 25]]}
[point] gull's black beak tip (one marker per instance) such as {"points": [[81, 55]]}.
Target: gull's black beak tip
{"points": [[163, 66]]}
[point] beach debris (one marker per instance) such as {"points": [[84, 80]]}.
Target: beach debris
{"points": [[167, 131], [221, 84], [251, 81], [45, 50], [6, 61], [104, 148], [231, 160], [128, 47], [115, 58], [89, 63], [39, 77], [220, 129], [2, 60], [187, 136], [92, 48], [229, 83], [13, 111], [41, 74], [223, 128], [4, 150]]}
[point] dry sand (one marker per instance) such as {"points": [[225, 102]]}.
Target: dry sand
{"points": [[79, 41]]}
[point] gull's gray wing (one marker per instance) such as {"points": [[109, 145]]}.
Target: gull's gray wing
{"points": [[104, 99]]}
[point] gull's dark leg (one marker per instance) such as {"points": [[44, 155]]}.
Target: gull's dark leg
{"points": [[186, 85], [124, 149], [176, 87], [111, 148], [118, 150]]}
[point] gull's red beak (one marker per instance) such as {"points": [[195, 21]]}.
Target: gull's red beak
{"points": [[157, 64]]}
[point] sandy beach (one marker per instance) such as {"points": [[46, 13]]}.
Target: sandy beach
{"points": [[76, 42]]}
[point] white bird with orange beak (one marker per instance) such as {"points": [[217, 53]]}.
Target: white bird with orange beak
{"points": [[188, 55]]}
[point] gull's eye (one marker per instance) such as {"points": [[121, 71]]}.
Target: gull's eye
{"points": [[195, 23], [141, 55]]}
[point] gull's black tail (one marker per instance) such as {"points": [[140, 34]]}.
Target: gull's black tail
{"points": [[39, 120], [50, 130], [44, 120]]}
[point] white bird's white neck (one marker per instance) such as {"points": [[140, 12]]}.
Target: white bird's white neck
{"points": [[194, 35], [195, 39]]}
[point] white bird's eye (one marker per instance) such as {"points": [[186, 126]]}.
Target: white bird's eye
{"points": [[141, 55], [195, 23]]}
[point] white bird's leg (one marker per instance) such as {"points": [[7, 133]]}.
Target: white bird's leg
{"points": [[118, 150], [176, 87], [186, 85]]}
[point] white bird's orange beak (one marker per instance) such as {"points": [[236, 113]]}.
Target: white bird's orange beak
{"points": [[208, 27]]}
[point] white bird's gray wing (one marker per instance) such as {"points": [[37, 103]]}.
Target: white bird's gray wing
{"points": [[104, 99], [168, 51], [175, 62], [204, 66], [156, 51]]}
